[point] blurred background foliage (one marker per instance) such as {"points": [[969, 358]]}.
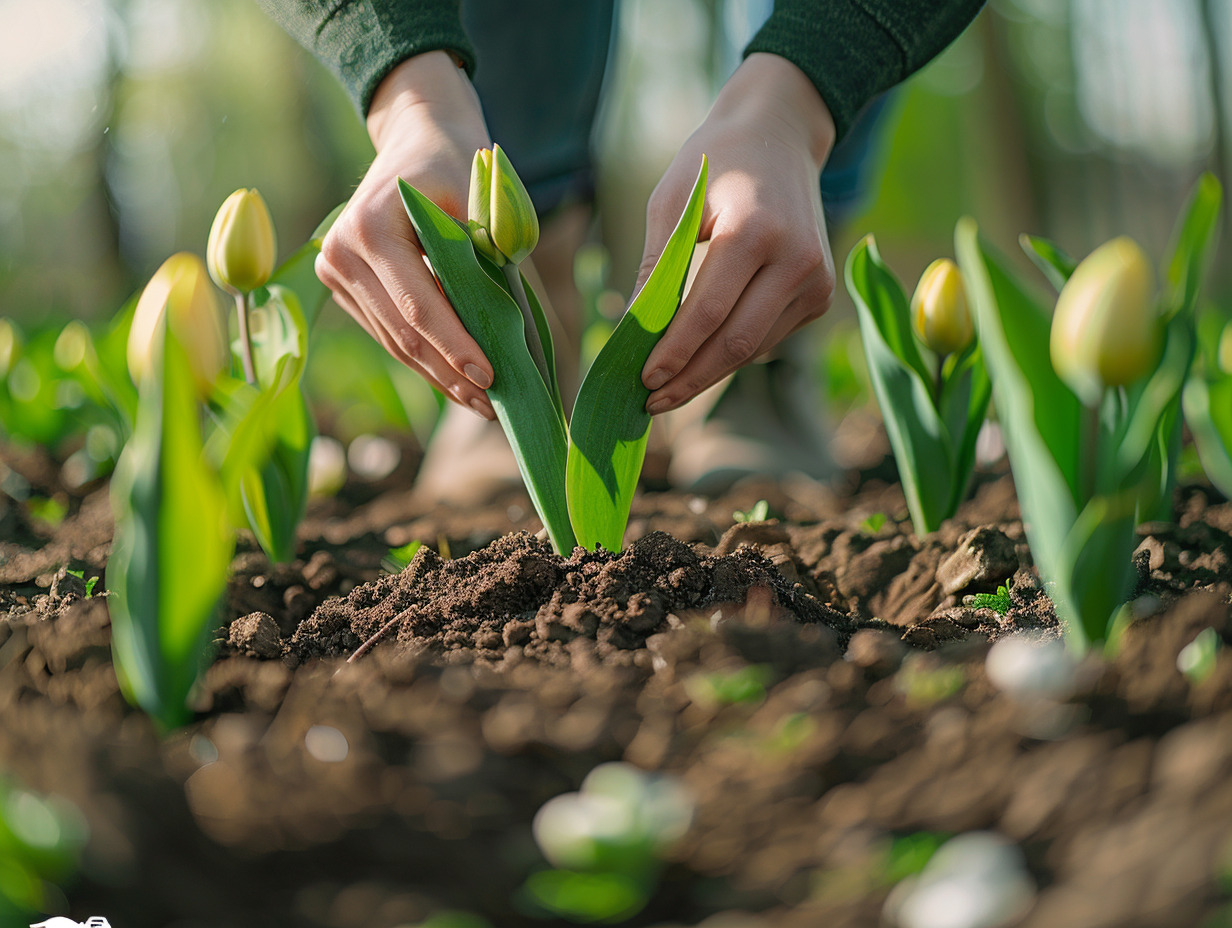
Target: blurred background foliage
{"points": [[124, 123]]}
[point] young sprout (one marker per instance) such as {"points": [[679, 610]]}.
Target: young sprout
{"points": [[180, 291], [240, 253], [1106, 331]]}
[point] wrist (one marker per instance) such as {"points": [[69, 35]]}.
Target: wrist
{"points": [[432, 80], [767, 85]]}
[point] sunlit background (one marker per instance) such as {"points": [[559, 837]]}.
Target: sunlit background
{"points": [[124, 123]]}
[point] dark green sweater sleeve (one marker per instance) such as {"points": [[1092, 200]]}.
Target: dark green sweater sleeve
{"points": [[852, 50], [362, 40]]}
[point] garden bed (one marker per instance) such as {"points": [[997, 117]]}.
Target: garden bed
{"points": [[320, 792]]}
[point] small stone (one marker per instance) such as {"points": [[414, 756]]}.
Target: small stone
{"points": [[256, 635], [984, 558]]}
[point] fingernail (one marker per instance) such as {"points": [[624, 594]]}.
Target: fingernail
{"points": [[660, 405], [657, 378], [478, 376], [482, 409]]}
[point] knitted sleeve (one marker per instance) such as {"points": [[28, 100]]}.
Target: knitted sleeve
{"points": [[852, 50], [361, 41]]}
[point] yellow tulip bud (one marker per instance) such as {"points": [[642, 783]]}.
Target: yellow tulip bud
{"points": [[1106, 328], [179, 291], [502, 220], [1225, 350], [10, 346], [939, 312], [71, 346], [241, 250]]}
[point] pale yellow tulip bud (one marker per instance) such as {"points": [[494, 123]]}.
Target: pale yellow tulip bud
{"points": [[10, 346], [1225, 350], [939, 312], [501, 217], [1106, 330], [241, 248], [179, 290]]}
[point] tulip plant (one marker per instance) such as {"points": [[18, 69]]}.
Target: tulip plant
{"points": [[927, 371], [1089, 398], [1208, 405], [581, 474], [208, 452]]}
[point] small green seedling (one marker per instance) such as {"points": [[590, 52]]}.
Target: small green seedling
{"points": [[1197, 659], [606, 844], [746, 685], [924, 681], [998, 601], [50, 510], [81, 575], [759, 512], [874, 523], [399, 558]]}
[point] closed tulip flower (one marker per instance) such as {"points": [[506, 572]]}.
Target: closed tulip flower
{"points": [[939, 312], [179, 290], [1106, 328], [501, 217], [241, 248]]}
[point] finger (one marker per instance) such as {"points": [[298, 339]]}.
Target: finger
{"points": [[415, 295], [725, 273], [738, 340], [477, 403], [385, 273]]}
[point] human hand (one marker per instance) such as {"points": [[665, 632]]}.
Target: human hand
{"points": [[768, 268], [426, 123]]}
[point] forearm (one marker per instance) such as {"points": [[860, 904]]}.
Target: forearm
{"points": [[853, 50], [361, 42]]}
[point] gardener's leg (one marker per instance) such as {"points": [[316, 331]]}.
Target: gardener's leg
{"points": [[540, 71]]}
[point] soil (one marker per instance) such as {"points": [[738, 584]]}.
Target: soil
{"points": [[324, 787]]}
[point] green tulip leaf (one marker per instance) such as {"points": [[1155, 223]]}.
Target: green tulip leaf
{"points": [[1208, 413], [1194, 245], [172, 546], [607, 440], [518, 394], [921, 441], [1048, 256], [1041, 418]]}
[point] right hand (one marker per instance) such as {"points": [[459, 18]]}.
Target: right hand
{"points": [[426, 123]]}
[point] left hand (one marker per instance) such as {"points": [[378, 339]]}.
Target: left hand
{"points": [[768, 269]]}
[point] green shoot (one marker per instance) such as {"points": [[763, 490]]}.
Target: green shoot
{"points": [[874, 523], [1197, 659], [998, 601], [759, 512]]}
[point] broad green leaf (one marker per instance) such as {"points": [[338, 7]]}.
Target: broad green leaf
{"points": [[903, 387], [1194, 244], [172, 546], [607, 438], [1093, 575], [1040, 416], [1046, 255], [1208, 413], [964, 408], [518, 394], [1151, 403]]}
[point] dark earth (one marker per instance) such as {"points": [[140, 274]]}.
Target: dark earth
{"points": [[496, 677]]}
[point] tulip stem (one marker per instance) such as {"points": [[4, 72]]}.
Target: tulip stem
{"points": [[241, 312], [514, 276], [939, 380], [1090, 453]]}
